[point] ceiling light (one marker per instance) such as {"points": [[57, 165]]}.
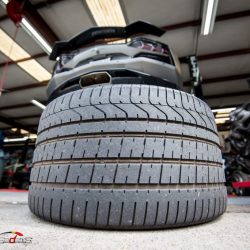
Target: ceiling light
{"points": [[20, 139], [35, 70], [32, 32], [36, 36], [23, 131], [38, 104], [32, 67], [208, 17], [32, 136], [222, 115], [221, 120], [106, 13], [16, 139], [223, 110]]}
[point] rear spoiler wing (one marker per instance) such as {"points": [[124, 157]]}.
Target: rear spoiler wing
{"points": [[101, 33]]}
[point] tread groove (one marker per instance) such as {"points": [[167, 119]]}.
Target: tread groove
{"points": [[156, 213], [202, 205], [145, 215], [166, 219], [126, 160], [85, 212], [134, 211], [43, 209], [127, 119], [50, 210], [177, 213], [194, 211], [127, 134], [109, 213], [71, 213], [96, 213], [120, 220], [186, 213], [60, 211], [128, 186]]}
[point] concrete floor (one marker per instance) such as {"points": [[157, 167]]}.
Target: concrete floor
{"points": [[231, 231]]}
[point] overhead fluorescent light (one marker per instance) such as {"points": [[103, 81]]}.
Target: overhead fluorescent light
{"points": [[223, 110], [38, 104], [23, 132], [208, 17], [35, 35], [35, 70], [20, 139], [106, 13], [32, 67], [16, 139], [222, 115], [32, 136], [32, 32], [221, 120]]}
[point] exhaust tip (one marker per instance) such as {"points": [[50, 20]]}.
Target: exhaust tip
{"points": [[94, 78]]}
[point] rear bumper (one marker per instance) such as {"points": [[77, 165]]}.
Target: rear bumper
{"points": [[141, 65]]}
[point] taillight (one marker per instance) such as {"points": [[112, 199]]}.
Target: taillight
{"points": [[150, 45]]}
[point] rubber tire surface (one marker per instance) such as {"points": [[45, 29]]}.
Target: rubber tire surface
{"points": [[127, 157]]}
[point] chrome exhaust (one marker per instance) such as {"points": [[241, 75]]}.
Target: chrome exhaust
{"points": [[94, 78]]}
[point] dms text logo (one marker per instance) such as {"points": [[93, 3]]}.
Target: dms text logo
{"points": [[13, 237]]}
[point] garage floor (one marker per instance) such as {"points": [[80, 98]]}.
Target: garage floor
{"points": [[231, 231]]}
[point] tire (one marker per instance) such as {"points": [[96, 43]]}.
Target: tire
{"points": [[127, 157]]}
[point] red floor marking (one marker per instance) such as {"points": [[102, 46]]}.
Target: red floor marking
{"points": [[12, 190], [242, 184]]}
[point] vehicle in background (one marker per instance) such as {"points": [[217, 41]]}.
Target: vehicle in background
{"points": [[237, 161], [17, 176]]}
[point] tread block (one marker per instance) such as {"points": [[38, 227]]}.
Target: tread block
{"points": [[150, 173], [127, 173]]}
